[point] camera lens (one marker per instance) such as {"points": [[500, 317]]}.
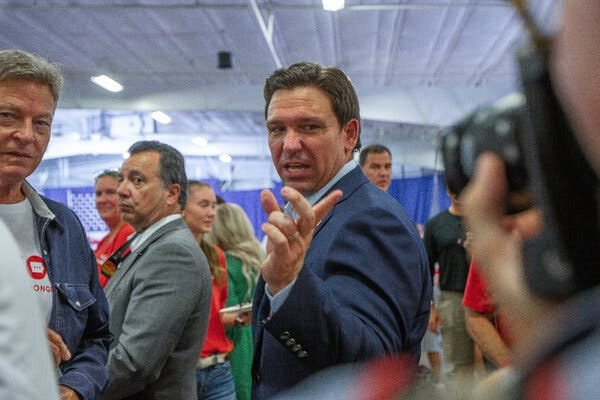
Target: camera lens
{"points": [[496, 129]]}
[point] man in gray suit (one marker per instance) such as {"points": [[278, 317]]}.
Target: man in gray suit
{"points": [[159, 296]]}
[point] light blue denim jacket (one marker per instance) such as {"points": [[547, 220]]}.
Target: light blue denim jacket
{"points": [[79, 310]]}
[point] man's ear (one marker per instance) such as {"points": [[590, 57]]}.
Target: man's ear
{"points": [[173, 192], [350, 131]]}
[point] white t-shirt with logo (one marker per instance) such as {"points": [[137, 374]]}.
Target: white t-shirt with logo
{"points": [[20, 220], [26, 370]]}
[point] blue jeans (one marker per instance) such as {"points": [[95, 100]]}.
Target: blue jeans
{"points": [[215, 382]]}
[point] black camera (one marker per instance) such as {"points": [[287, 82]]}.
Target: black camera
{"points": [[544, 165], [498, 128]]}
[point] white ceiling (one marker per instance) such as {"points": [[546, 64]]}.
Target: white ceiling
{"points": [[417, 65]]}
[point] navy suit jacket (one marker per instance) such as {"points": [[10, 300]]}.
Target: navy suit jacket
{"points": [[364, 291]]}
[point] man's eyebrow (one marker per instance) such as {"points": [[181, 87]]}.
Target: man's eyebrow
{"points": [[311, 119], [302, 119], [9, 106], [6, 105], [131, 172], [45, 115]]}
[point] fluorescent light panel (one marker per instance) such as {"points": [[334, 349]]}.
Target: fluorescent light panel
{"points": [[160, 117], [107, 83], [200, 141], [226, 158], [333, 5]]}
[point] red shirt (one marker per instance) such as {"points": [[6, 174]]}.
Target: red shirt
{"points": [[216, 340], [107, 246], [477, 298]]}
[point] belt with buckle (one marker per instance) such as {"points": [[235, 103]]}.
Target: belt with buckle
{"points": [[205, 362]]}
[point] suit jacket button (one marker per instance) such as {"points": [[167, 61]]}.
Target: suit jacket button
{"points": [[296, 348], [290, 342], [302, 354], [284, 335]]}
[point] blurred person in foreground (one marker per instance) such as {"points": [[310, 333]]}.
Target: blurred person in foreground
{"points": [[556, 338], [345, 279], [160, 293], [107, 204], [53, 245], [376, 163], [213, 372], [233, 232]]}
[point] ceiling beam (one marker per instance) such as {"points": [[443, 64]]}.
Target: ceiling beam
{"points": [[220, 5], [267, 31]]}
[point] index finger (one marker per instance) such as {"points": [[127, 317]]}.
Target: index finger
{"points": [[306, 217], [326, 204], [268, 201], [489, 187], [484, 196], [309, 216], [484, 203]]}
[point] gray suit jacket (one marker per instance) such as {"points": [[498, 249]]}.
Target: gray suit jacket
{"points": [[159, 306]]}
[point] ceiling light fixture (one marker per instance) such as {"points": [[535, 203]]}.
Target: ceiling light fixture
{"points": [[200, 141], [333, 5], [107, 83], [226, 158], [160, 117]]}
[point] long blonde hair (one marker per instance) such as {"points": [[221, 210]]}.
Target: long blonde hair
{"points": [[233, 232]]}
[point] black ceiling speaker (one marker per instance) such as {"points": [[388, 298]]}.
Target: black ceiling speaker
{"points": [[224, 60]]}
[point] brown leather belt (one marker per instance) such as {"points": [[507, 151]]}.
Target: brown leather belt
{"points": [[210, 361]]}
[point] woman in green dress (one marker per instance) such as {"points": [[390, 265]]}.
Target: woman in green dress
{"points": [[233, 232]]}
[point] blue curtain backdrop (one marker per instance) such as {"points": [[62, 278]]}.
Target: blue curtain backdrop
{"points": [[415, 194]]}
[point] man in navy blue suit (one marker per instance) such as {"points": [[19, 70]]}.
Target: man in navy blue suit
{"points": [[346, 277]]}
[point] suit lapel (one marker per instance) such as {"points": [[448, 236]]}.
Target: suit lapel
{"points": [[348, 184], [129, 261]]}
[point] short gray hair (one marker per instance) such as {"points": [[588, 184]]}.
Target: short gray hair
{"points": [[18, 64]]}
